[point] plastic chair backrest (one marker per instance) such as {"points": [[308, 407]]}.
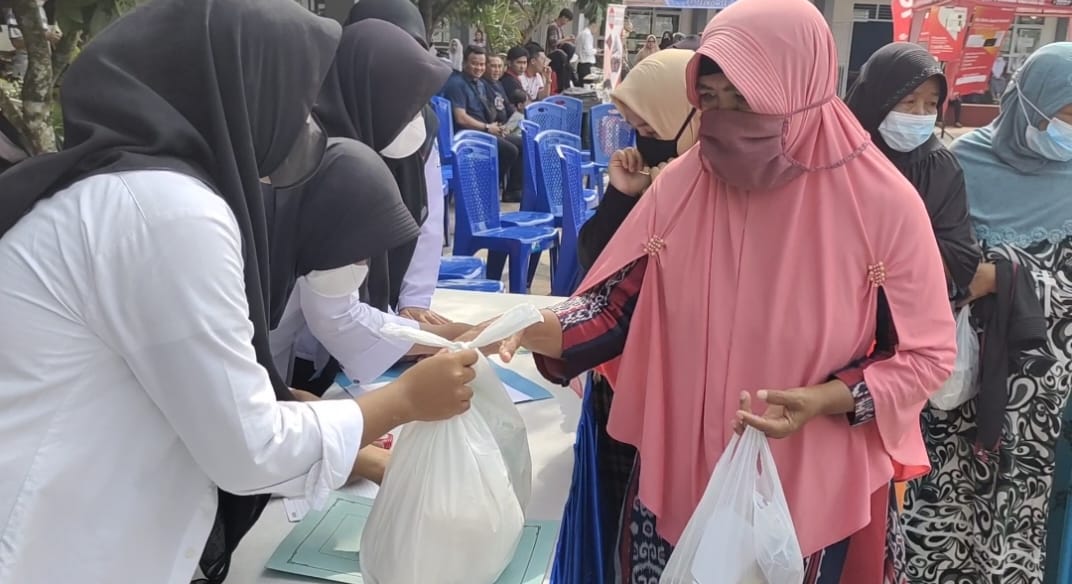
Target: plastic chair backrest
{"points": [[573, 204], [529, 129], [476, 174], [478, 136], [549, 174], [574, 111], [567, 272], [442, 108], [610, 132], [548, 115]]}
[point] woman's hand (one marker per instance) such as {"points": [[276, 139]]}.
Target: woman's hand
{"points": [[505, 348], [983, 284], [371, 464], [788, 411], [424, 315], [436, 388], [628, 173]]}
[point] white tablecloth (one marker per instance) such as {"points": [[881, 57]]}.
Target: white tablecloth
{"points": [[551, 425]]}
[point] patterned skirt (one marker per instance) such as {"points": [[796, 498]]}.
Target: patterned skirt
{"points": [[991, 517]]}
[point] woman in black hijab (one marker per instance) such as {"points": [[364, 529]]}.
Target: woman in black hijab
{"points": [[565, 77], [175, 104], [378, 114], [897, 98], [386, 287]]}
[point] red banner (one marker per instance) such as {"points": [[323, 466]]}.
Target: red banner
{"points": [[902, 19], [982, 45], [943, 31]]}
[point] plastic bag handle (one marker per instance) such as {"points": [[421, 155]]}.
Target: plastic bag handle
{"points": [[511, 322]]}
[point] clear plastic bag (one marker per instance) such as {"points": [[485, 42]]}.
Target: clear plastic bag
{"points": [[451, 507], [741, 532], [963, 384]]}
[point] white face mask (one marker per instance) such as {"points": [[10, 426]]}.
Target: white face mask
{"points": [[408, 142], [906, 132], [1055, 143], [339, 282]]}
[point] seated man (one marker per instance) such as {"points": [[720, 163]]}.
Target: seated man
{"points": [[472, 101]]}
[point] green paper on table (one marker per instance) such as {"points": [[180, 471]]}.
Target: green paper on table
{"points": [[327, 545]]}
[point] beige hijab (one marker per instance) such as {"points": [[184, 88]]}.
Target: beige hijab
{"points": [[656, 91]]}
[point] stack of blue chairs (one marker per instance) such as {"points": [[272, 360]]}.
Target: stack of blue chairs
{"points": [[549, 185], [479, 224], [575, 212], [574, 114]]}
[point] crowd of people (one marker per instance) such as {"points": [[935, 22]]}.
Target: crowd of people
{"points": [[218, 237]]}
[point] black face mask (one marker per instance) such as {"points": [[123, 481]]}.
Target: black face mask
{"points": [[655, 151]]}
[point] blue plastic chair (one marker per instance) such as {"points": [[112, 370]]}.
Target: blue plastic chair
{"points": [[445, 137], [574, 111], [548, 115], [479, 285], [478, 136], [529, 200], [461, 268], [575, 212], [523, 218], [610, 132], [443, 111], [478, 224], [549, 193]]}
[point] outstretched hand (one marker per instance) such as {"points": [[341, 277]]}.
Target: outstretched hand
{"points": [[505, 348]]}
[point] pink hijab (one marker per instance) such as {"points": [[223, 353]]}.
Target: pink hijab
{"points": [[770, 290]]}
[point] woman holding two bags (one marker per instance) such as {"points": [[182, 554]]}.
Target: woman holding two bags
{"points": [[771, 240]]}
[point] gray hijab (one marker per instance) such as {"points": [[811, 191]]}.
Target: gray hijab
{"points": [[1015, 195]]}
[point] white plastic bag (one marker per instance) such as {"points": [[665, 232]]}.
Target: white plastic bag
{"points": [[963, 384], [741, 532], [451, 507]]}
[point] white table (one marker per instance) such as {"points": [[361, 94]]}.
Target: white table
{"points": [[551, 426]]}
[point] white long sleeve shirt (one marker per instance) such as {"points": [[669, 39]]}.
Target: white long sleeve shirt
{"points": [[421, 277], [129, 388], [586, 47], [344, 326]]}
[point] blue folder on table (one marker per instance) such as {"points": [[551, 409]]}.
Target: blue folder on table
{"points": [[522, 384], [327, 545]]}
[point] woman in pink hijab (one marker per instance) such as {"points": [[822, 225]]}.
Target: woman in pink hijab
{"points": [[743, 290]]}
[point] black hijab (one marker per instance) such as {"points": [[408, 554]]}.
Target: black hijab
{"points": [[405, 77], [349, 211], [405, 15], [221, 92], [563, 71], [181, 103], [402, 13], [892, 73]]}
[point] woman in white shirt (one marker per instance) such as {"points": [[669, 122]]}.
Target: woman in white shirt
{"points": [[407, 279], [135, 372], [387, 116]]}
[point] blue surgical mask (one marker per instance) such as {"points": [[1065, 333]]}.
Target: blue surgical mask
{"points": [[1055, 143], [906, 132]]}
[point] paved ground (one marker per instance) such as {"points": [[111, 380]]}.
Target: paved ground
{"points": [[542, 283]]}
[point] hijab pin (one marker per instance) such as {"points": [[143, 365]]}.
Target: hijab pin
{"points": [[876, 274], [654, 245]]}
